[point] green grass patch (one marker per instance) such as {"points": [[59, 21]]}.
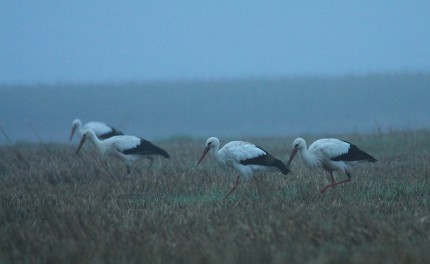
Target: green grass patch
{"points": [[56, 207]]}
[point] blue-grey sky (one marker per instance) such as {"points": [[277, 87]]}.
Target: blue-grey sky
{"points": [[99, 41]]}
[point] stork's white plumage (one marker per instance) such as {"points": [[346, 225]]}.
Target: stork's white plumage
{"points": [[246, 158], [124, 147], [100, 129], [331, 155]]}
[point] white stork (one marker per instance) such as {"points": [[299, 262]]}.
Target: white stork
{"points": [[331, 155], [101, 130], [246, 158], [124, 147]]}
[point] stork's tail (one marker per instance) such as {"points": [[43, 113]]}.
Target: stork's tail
{"points": [[163, 153], [372, 159], [366, 156], [282, 167]]}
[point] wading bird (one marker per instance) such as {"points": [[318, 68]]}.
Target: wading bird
{"points": [[331, 155], [244, 157], [101, 130], [124, 147]]}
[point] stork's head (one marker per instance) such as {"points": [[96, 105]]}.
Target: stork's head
{"points": [[298, 144], [211, 143], [87, 134], [76, 124]]}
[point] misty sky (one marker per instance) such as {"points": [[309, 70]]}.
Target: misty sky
{"points": [[93, 41]]}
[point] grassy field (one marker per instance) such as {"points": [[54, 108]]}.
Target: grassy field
{"points": [[60, 208]]}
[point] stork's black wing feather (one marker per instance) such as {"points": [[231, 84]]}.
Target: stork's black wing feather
{"points": [[354, 154], [147, 148], [110, 134], [266, 160]]}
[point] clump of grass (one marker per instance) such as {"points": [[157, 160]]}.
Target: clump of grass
{"points": [[68, 208]]}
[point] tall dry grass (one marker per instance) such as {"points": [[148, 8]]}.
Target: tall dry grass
{"points": [[60, 208]]}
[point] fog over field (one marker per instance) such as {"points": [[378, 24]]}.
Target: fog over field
{"points": [[178, 72], [198, 69], [223, 108]]}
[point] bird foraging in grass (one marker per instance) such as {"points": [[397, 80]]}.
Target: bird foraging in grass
{"points": [[101, 130], [124, 147], [244, 157], [331, 155]]}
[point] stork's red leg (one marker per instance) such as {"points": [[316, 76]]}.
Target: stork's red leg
{"points": [[333, 181], [323, 190], [151, 161], [234, 187], [258, 184]]}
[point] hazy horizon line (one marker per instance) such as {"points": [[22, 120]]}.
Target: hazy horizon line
{"points": [[303, 76]]}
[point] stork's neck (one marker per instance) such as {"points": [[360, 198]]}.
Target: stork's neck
{"points": [[78, 126], [98, 143], [308, 157], [215, 153]]}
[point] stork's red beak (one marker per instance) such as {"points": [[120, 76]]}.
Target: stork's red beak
{"points": [[205, 151], [73, 132], [80, 144], [293, 153]]}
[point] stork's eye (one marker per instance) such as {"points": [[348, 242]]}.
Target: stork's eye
{"points": [[209, 144], [297, 145]]}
